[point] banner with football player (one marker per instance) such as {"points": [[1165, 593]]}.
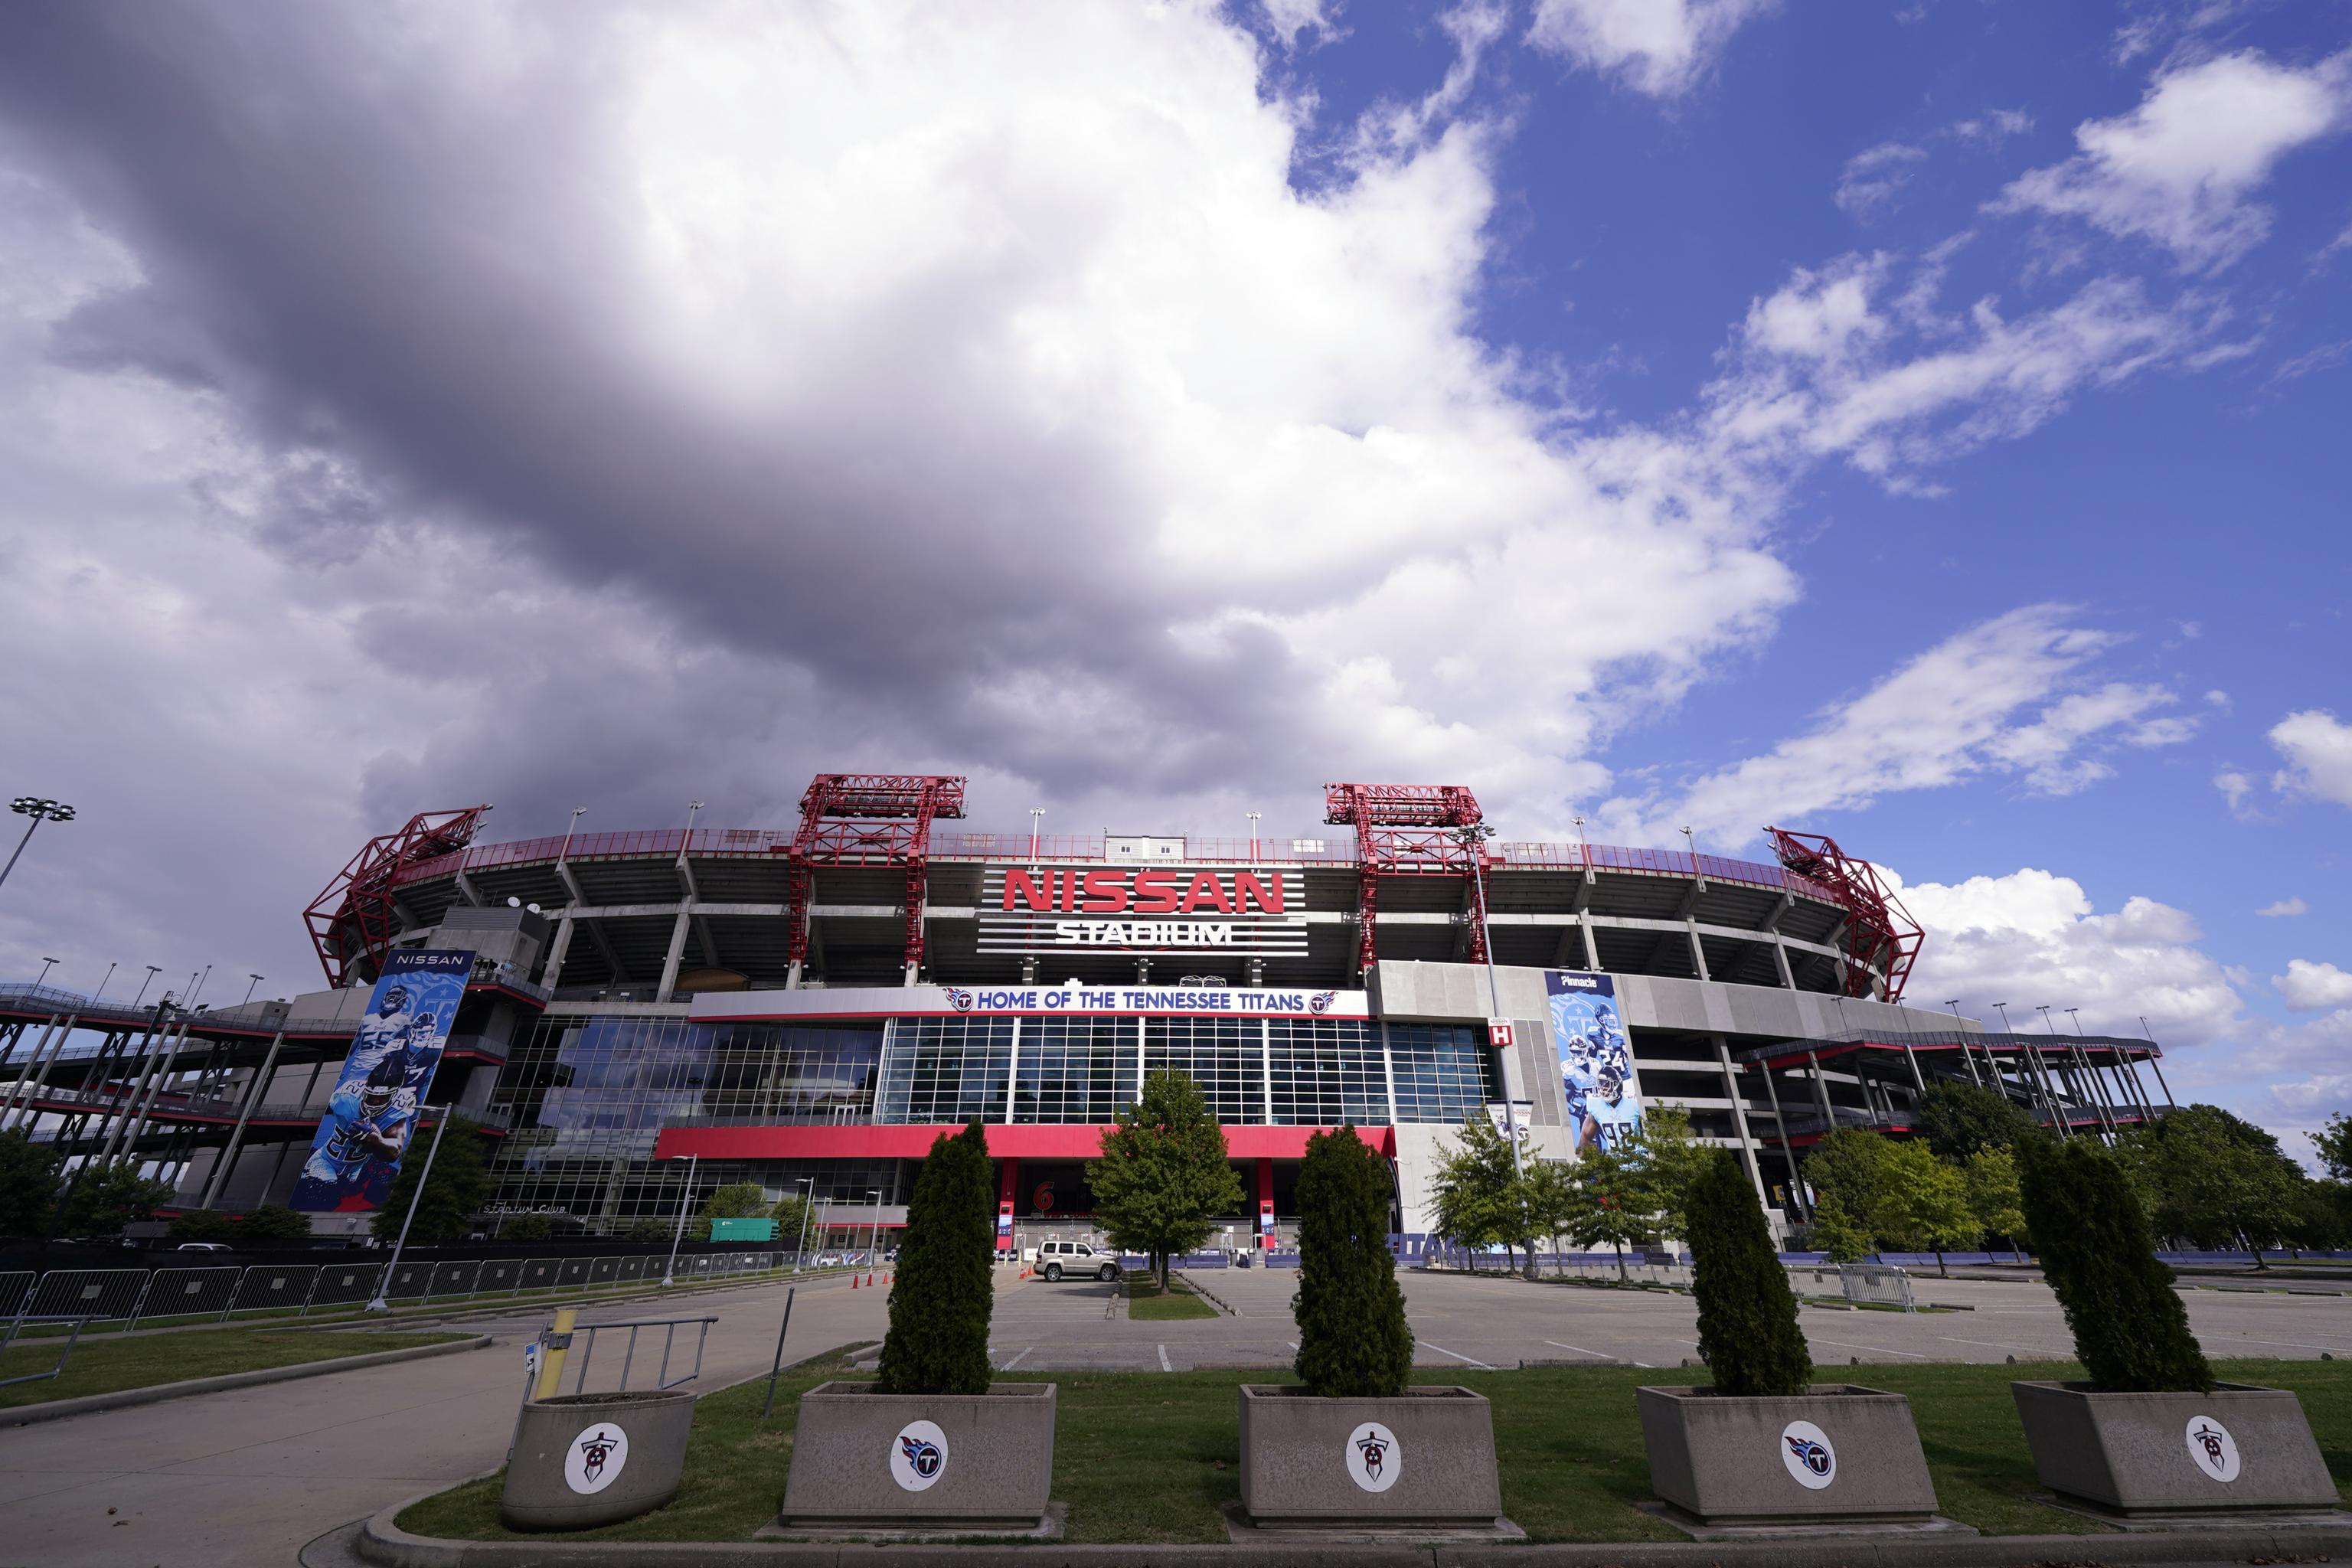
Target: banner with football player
{"points": [[360, 1141], [1596, 1061]]}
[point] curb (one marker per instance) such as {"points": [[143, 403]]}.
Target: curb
{"points": [[381, 1543], [155, 1394], [1205, 1293]]}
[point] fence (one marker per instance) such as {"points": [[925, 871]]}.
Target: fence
{"points": [[669, 1327], [129, 1296]]}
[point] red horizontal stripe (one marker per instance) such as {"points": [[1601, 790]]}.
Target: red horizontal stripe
{"points": [[1050, 1141]]}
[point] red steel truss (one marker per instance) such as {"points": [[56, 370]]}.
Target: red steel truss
{"points": [[351, 924], [866, 819], [1409, 830], [1879, 931]]}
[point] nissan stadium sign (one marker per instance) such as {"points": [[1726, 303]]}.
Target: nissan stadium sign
{"points": [[1253, 910]]}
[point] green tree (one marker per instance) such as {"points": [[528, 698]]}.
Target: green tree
{"points": [[1837, 1233], [103, 1200], [1747, 1331], [1476, 1198], [528, 1228], [273, 1222], [1353, 1338], [647, 1229], [736, 1200], [1849, 1167], [791, 1213], [2214, 1180], [2130, 1329], [203, 1224], [938, 1340], [1672, 1161], [2335, 1144], [1960, 1120], [1164, 1175], [1994, 1196], [1620, 1204], [28, 1185], [1925, 1204], [455, 1192]]}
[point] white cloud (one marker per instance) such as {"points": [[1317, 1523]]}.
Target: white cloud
{"points": [[1289, 19], [2235, 787], [1658, 46], [2179, 169], [2309, 986], [1993, 127], [2032, 938], [1993, 698], [2284, 909], [2317, 747], [1874, 177]]}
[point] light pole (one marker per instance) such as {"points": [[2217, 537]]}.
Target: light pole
{"points": [[46, 964], [152, 970], [1036, 821], [2003, 1008], [1252, 822], [2073, 1020], [1583, 855], [380, 1301], [101, 985], [194, 986], [40, 810], [669, 1271], [568, 829], [874, 1247], [808, 1209], [1473, 837], [692, 806], [1692, 844], [256, 980]]}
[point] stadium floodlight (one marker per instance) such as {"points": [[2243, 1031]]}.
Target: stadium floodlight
{"points": [[1692, 844], [40, 809], [568, 830], [1036, 821], [1252, 816]]}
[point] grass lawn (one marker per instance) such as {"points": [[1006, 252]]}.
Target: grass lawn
{"points": [[1147, 1303], [101, 1366], [1143, 1456]]}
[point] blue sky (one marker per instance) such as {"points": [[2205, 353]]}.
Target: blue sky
{"points": [[1919, 424]]}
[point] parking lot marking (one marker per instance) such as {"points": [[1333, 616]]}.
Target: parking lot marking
{"points": [[1874, 1350], [1987, 1344], [2299, 1344], [1016, 1361], [1578, 1349], [1458, 1355], [1163, 1359]]}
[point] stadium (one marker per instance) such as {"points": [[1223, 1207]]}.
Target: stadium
{"points": [[650, 1015]]}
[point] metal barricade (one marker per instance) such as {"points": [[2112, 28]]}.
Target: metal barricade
{"points": [[1876, 1283], [65, 1349], [603, 1270], [538, 1273], [187, 1293], [16, 1290], [91, 1293], [272, 1287], [571, 1271], [344, 1285], [455, 1277], [499, 1274], [410, 1281], [633, 1268], [669, 1327]]}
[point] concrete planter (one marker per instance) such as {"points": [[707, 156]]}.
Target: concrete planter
{"points": [[916, 1460], [1838, 1453], [2240, 1448], [582, 1459], [1423, 1458]]}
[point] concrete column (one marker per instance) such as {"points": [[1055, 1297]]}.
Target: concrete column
{"points": [[1918, 1079], [1822, 1093], [173, 1045], [1788, 1149], [679, 928], [244, 1113], [1592, 948], [1265, 1068], [35, 1073], [1387, 1071], [1739, 1113], [551, 971], [1780, 962], [115, 1123], [1698, 952]]}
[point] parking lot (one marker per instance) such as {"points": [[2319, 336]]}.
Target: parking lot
{"points": [[1488, 1321]]}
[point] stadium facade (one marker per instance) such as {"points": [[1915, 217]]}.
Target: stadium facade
{"points": [[808, 1009]]}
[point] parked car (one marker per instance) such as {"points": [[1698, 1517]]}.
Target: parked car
{"points": [[1056, 1258], [201, 1246]]}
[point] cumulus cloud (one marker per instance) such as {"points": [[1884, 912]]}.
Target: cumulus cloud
{"points": [[1661, 48], [1993, 698], [2309, 986], [2317, 747], [2033, 937], [2180, 169], [1875, 176], [2284, 909]]}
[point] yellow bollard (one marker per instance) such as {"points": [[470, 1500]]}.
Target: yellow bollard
{"points": [[554, 1345]]}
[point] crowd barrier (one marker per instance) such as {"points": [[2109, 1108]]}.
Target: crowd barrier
{"points": [[128, 1296]]}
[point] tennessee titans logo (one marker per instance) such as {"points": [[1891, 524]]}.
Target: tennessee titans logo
{"points": [[594, 1450], [2210, 1441], [1321, 1001], [1375, 1451], [1810, 1455], [921, 1456], [958, 998]]}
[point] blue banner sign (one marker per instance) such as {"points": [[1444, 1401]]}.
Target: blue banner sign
{"points": [[358, 1147]]}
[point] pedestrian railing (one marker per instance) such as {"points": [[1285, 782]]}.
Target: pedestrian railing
{"points": [[73, 1326], [669, 1327]]}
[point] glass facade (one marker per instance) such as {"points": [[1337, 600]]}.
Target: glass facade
{"points": [[588, 1096]]}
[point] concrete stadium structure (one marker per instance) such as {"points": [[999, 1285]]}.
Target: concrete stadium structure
{"points": [[808, 1007]]}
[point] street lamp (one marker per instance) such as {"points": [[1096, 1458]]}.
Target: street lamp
{"points": [[101, 985], [46, 964], [692, 806], [2003, 1008], [40, 809], [1584, 856], [2074, 1020], [1692, 844], [1036, 821], [380, 1301], [1252, 816], [255, 979], [669, 1271], [196, 986], [874, 1247], [808, 1211], [569, 828], [153, 970]]}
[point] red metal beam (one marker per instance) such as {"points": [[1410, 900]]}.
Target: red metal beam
{"points": [[352, 921], [1880, 933], [866, 819], [1409, 830]]}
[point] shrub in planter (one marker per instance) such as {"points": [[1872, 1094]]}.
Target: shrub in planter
{"points": [[1764, 1444], [1352, 1445], [2150, 1431], [931, 1442]]}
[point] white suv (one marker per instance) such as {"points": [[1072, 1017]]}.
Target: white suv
{"points": [[1056, 1258]]}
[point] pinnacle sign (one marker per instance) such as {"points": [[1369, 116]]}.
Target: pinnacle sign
{"points": [[1143, 909]]}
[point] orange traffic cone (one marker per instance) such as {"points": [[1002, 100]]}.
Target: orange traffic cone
{"points": [[852, 1281], [869, 1276]]}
